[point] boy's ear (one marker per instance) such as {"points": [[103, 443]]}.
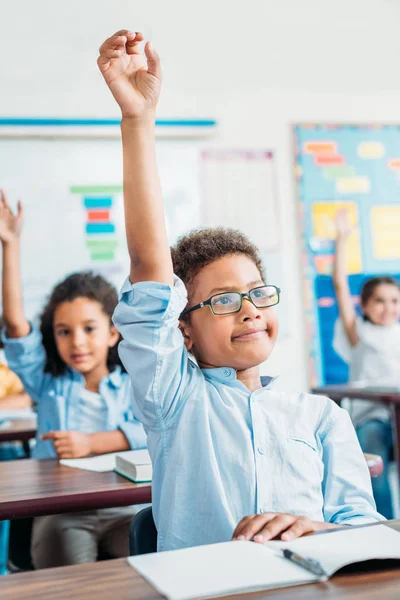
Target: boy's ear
{"points": [[184, 326], [114, 336]]}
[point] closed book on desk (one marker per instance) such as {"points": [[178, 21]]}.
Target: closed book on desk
{"points": [[135, 465], [241, 567]]}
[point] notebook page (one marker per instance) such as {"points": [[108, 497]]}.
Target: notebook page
{"points": [[339, 548], [100, 464], [218, 570]]}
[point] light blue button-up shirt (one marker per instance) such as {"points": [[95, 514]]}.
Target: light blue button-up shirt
{"points": [[59, 398], [221, 452]]}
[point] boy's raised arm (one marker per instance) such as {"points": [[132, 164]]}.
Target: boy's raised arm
{"points": [[136, 86]]}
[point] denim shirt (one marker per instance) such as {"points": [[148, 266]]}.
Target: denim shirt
{"points": [[58, 398], [221, 452]]}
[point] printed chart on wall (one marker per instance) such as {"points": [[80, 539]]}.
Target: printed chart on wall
{"points": [[72, 195], [356, 167], [239, 191]]}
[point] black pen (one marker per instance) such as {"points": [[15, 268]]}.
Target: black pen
{"points": [[313, 566]]}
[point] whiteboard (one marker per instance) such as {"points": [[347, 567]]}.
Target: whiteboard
{"points": [[65, 184]]}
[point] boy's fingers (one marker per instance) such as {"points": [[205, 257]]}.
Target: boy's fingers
{"points": [[4, 199], [153, 61], [274, 527], [133, 43], [112, 54], [241, 525], [301, 526], [254, 525], [116, 41], [20, 209]]}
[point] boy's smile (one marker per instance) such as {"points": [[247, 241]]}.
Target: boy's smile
{"points": [[241, 340]]}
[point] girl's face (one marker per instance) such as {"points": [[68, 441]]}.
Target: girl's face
{"points": [[383, 306], [83, 335]]}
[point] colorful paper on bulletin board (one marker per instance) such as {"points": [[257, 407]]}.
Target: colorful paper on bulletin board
{"points": [[357, 167], [385, 226], [324, 214]]}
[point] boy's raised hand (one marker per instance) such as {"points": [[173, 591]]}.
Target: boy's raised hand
{"points": [[10, 224], [134, 79]]}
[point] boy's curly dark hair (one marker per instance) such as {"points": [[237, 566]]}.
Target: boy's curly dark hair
{"points": [[201, 247], [78, 285]]}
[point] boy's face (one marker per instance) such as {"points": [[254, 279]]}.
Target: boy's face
{"points": [[241, 340]]}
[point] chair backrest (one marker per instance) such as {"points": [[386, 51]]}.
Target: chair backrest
{"points": [[143, 533], [19, 548]]}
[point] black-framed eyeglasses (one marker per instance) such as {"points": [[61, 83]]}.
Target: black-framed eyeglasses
{"points": [[226, 303]]}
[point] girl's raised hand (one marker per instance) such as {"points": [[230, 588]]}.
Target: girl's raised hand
{"points": [[133, 78], [343, 225], [10, 224]]}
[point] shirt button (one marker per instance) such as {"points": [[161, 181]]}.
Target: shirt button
{"points": [[261, 450], [227, 372], [262, 510]]}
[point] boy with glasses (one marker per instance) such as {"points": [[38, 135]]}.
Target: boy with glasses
{"points": [[230, 457]]}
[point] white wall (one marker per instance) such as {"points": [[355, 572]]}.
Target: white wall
{"points": [[257, 66]]}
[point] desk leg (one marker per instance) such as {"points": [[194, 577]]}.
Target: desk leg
{"points": [[396, 436]]}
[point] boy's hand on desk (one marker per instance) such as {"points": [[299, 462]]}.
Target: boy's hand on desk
{"points": [[69, 444], [268, 526], [134, 81]]}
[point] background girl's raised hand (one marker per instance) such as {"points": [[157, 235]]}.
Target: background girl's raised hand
{"points": [[10, 224]]}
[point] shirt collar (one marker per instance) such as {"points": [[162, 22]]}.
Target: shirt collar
{"points": [[225, 374]]}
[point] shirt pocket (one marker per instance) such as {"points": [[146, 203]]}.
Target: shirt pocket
{"points": [[304, 459]]}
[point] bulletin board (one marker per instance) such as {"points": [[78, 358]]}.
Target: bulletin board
{"points": [[344, 166]]}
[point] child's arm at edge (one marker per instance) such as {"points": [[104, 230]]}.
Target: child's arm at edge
{"points": [[75, 444], [340, 279], [136, 89], [10, 232]]}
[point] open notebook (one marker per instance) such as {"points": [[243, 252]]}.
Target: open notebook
{"points": [[239, 567]]}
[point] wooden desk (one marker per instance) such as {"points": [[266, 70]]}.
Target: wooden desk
{"points": [[338, 392], [30, 488], [112, 579], [18, 431]]}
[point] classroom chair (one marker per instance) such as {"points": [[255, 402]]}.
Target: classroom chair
{"points": [[19, 547], [143, 533]]}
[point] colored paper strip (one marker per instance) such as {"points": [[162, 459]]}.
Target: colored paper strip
{"points": [[94, 203], [326, 147], [329, 159], [103, 256], [102, 245], [96, 228], [98, 215], [96, 189]]}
